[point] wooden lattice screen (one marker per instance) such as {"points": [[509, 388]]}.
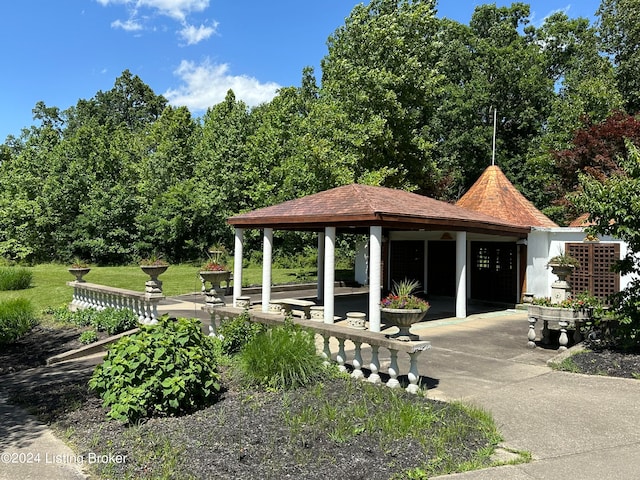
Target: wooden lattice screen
{"points": [[594, 274]]}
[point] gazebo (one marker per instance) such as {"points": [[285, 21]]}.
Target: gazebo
{"points": [[377, 212]]}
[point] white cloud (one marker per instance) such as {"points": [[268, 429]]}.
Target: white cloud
{"points": [[175, 9], [206, 85], [192, 34], [129, 25], [178, 9]]}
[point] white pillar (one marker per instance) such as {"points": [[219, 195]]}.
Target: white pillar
{"points": [[329, 272], [267, 252], [461, 274], [237, 265], [320, 293], [375, 277]]}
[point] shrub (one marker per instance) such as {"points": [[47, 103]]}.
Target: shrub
{"points": [[114, 321], [111, 320], [165, 369], [281, 358], [15, 278], [90, 336], [17, 317], [236, 332]]}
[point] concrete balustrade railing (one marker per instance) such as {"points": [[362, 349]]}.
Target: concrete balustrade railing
{"points": [[340, 335], [92, 295]]}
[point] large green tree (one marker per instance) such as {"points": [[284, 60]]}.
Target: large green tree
{"points": [[620, 33], [380, 77], [614, 206]]}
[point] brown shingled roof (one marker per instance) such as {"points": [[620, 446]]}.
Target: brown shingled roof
{"points": [[364, 205], [493, 194]]}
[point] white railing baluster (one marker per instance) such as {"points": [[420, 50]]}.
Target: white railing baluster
{"points": [[357, 361], [393, 370], [326, 349], [342, 356], [374, 366], [413, 373], [99, 297]]}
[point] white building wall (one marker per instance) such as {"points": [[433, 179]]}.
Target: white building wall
{"points": [[546, 243], [362, 263]]}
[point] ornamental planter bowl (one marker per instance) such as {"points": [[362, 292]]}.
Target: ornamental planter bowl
{"points": [[214, 293], [403, 318], [154, 286], [79, 272], [556, 314]]}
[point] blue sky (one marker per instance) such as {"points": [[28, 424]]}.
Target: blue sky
{"points": [[191, 51]]}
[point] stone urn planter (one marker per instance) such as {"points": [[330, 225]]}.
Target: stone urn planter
{"points": [[79, 272], [401, 308], [403, 318], [357, 320], [211, 280], [153, 286]]}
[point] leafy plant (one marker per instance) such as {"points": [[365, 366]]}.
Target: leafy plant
{"points": [[236, 332], [213, 267], [90, 336], [401, 296], [564, 260], [153, 261], [110, 320], [17, 317], [165, 369], [281, 358], [15, 278], [115, 321]]}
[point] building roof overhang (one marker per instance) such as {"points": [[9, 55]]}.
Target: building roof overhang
{"points": [[355, 207]]}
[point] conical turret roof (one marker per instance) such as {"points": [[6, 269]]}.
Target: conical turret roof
{"points": [[493, 194]]}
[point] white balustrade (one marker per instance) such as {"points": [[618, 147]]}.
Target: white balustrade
{"points": [[343, 336], [99, 297]]}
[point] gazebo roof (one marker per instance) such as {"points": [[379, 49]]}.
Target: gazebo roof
{"points": [[357, 205], [493, 194]]}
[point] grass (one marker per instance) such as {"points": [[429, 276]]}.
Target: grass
{"points": [[17, 317], [15, 278], [49, 284], [566, 365]]}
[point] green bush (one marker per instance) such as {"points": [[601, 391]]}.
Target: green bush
{"points": [[115, 321], [165, 369], [281, 358], [17, 317], [90, 336], [110, 320], [15, 278], [236, 332]]}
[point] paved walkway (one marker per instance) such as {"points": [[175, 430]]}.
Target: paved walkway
{"points": [[575, 426]]}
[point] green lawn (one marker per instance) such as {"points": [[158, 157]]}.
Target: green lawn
{"points": [[49, 287]]}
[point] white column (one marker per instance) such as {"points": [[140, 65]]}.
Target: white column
{"points": [[375, 277], [267, 252], [461, 274], [237, 265], [320, 293], [329, 272]]}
